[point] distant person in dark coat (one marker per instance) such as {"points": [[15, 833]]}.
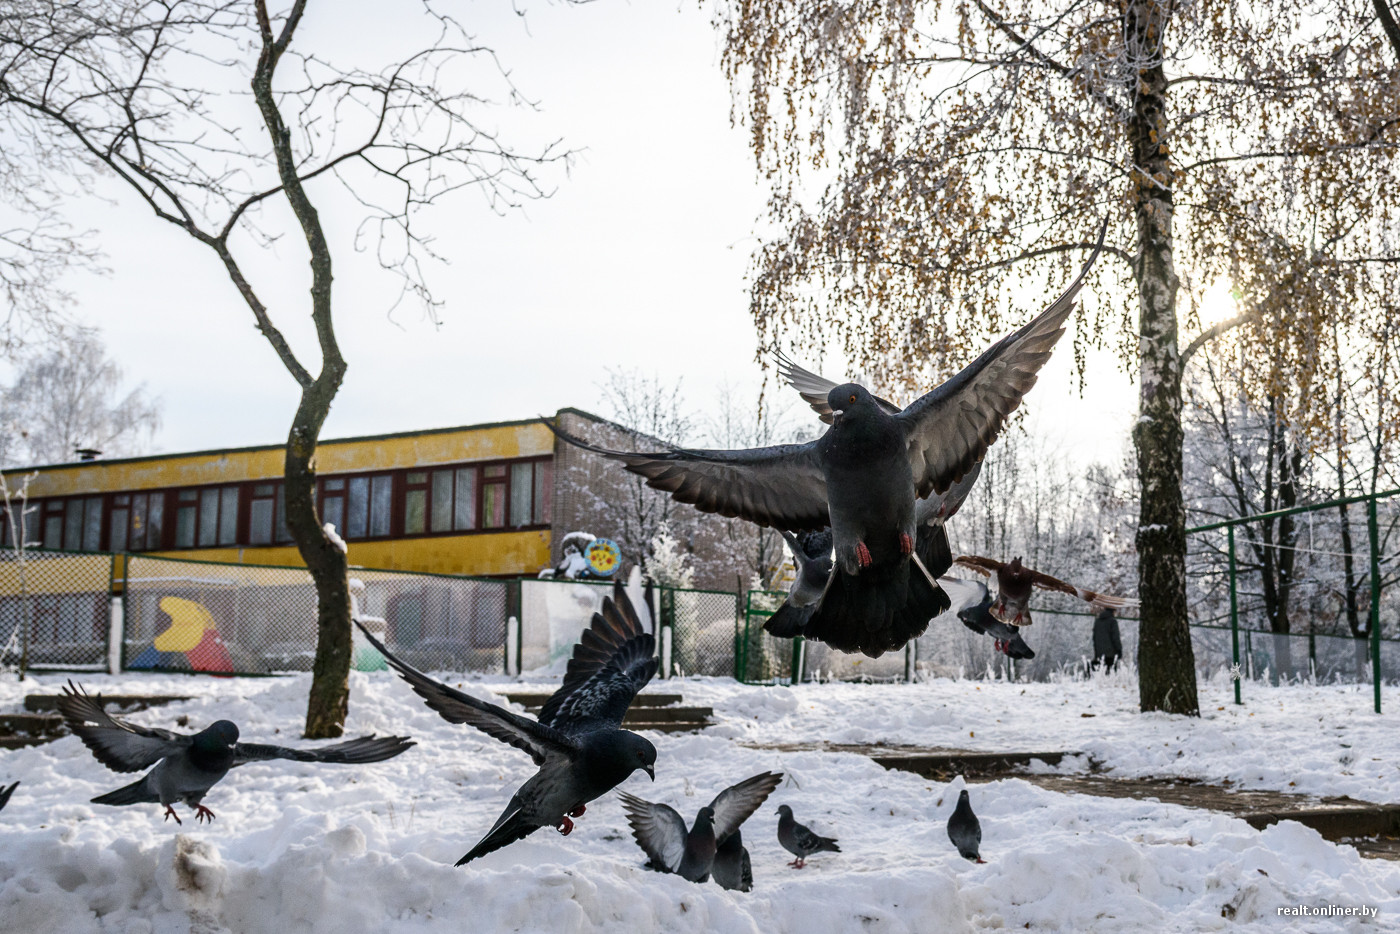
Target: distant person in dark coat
{"points": [[1108, 644]]}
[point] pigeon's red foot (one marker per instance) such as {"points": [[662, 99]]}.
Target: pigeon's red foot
{"points": [[863, 555], [1001, 646], [906, 544], [981, 861], [578, 811], [203, 813], [170, 812], [798, 863], [566, 826]]}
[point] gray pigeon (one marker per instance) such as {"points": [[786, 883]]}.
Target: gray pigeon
{"points": [[5, 794], [972, 601], [796, 616], [188, 765], [1014, 582], [863, 477], [965, 830], [799, 840], [732, 868], [695, 854], [577, 741]]}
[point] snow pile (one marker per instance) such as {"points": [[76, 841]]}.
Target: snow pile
{"points": [[307, 847]]}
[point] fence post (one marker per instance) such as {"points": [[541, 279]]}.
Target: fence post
{"points": [[1375, 599], [668, 626], [1237, 672], [795, 675]]}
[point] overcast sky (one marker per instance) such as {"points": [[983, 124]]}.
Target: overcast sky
{"points": [[638, 261]]}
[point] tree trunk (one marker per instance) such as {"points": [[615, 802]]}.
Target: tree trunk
{"points": [[1166, 662]]}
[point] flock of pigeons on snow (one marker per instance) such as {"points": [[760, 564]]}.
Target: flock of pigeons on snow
{"points": [[863, 509]]}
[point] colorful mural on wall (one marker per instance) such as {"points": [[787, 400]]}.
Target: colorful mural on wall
{"points": [[191, 642]]}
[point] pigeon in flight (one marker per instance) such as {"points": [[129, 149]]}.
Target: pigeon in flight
{"points": [[862, 479], [1013, 583], [965, 830], [799, 840], [972, 601], [578, 742], [5, 794], [696, 854], [188, 765], [800, 616]]}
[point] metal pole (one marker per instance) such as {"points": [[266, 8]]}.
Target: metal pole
{"points": [[796, 673], [1234, 612], [1375, 601]]}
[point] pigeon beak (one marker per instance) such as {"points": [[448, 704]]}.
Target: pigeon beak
{"points": [[650, 771]]}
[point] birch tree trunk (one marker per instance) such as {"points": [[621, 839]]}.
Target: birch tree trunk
{"points": [[1166, 662]]}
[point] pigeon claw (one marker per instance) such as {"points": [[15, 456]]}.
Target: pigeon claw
{"points": [[170, 812], [863, 556], [578, 811], [203, 813], [981, 861], [798, 863], [906, 544], [566, 826]]}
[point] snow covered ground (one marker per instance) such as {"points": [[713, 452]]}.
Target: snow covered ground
{"points": [[301, 847]]}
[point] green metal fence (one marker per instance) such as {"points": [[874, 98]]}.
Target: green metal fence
{"points": [[1244, 656]]}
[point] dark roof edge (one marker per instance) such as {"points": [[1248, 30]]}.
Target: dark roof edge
{"points": [[538, 420]]}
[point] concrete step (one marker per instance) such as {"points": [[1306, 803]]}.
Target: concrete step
{"points": [[668, 715], [646, 699], [32, 724], [40, 703]]}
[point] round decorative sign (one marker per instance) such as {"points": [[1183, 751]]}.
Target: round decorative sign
{"points": [[603, 556]]}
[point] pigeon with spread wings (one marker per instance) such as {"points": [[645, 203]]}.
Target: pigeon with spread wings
{"points": [[578, 741], [187, 765], [862, 478], [697, 853], [1013, 582], [972, 602]]}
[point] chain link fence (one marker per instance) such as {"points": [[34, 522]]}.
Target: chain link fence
{"points": [[55, 610], [253, 619], [704, 627]]}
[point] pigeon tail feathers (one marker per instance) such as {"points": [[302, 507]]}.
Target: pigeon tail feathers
{"points": [[136, 793]]}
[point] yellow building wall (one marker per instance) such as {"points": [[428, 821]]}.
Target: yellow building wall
{"points": [[530, 439]]}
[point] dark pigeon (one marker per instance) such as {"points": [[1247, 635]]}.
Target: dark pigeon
{"points": [[695, 854], [578, 742], [5, 794], [862, 479], [795, 617], [1013, 583], [733, 869], [965, 830], [799, 840], [972, 601], [188, 765]]}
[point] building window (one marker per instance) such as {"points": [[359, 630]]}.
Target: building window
{"points": [[53, 525], [262, 513], [137, 522], [333, 502], [493, 496], [186, 518], [530, 491], [415, 502]]}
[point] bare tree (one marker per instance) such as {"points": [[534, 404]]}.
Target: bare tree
{"points": [[153, 95], [965, 153], [69, 398]]}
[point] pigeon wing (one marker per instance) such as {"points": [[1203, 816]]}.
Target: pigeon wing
{"points": [[814, 388], [5, 794], [736, 804], [658, 829], [950, 428], [782, 486], [988, 567], [455, 707], [613, 660], [1097, 600], [365, 749], [962, 593], [121, 746]]}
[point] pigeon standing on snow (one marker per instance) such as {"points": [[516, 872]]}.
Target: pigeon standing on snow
{"points": [[1013, 583], [578, 742], [799, 840], [972, 601], [965, 830], [863, 477], [706, 848], [5, 794], [188, 765]]}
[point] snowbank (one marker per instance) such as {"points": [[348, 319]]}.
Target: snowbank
{"points": [[302, 847]]}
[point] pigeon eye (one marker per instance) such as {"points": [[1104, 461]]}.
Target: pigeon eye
{"points": [[853, 397]]}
